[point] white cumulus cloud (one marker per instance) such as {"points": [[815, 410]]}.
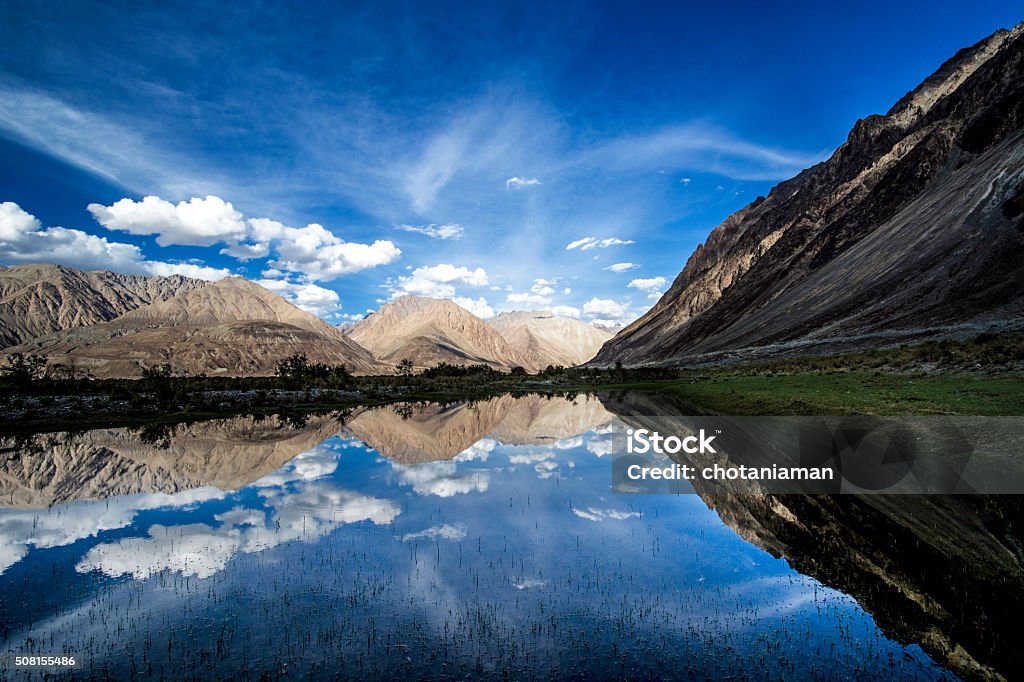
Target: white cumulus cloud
{"points": [[477, 306], [605, 307], [64, 524], [622, 267], [23, 239], [542, 287], [528, 299], [649, 284], [316, 253], [441, 479], [445, 531], [438, 281], [312, 252], [566, 311], [309, 297], [313, 510], [480, 450], [197, 222], [597, 515]]}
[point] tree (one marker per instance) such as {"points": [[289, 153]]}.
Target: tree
{"points": [[67, 372], [296, 371], [294, 367], [404, 368], [22, 370], [158, 379]]}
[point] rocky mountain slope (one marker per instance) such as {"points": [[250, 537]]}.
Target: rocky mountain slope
{"points": [[542, 338], [428, 331], [914, 228], [36, 300], [232, 327]]}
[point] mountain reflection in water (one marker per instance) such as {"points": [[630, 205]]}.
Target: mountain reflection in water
{"points": [[468, 539]]}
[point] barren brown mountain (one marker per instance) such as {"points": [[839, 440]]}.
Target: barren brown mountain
{"points": [[914, 228], [428, 331], [36, 300], [232, 327], [542, 338]]}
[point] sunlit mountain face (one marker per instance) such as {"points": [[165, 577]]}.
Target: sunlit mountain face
{"points": [[442, 540]]}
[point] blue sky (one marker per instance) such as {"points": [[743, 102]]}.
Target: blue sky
{"points": [[343, 154]]}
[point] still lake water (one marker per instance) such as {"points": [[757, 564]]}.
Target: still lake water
{"points": [[456, 542]]}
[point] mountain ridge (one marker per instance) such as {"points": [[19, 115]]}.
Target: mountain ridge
{"points": [[231, 327], [39, 299], [543, 338], [428, 331]]}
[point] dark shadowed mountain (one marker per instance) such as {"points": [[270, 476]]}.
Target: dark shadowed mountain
{"points": [[914, 228]]}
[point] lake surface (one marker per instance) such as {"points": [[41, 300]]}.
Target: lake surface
{"points": [[418, 541]]}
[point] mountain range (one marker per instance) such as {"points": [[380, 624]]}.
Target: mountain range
{"points": [[913, 229], [231, 327], [427, 331], [225, 453], [112, 326], [542, 338]]}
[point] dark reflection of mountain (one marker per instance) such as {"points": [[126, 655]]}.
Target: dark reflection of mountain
{"points": [[413, 434], [942, 571], [45, 469]]}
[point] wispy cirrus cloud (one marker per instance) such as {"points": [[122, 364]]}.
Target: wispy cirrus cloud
{"points": [[516, 182], [587, 243], [428, 175], [119, 149], [696, 146], [445, 231]]}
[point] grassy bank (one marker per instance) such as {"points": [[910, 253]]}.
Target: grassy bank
{"points": [[843, 393], [979, 376]]}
